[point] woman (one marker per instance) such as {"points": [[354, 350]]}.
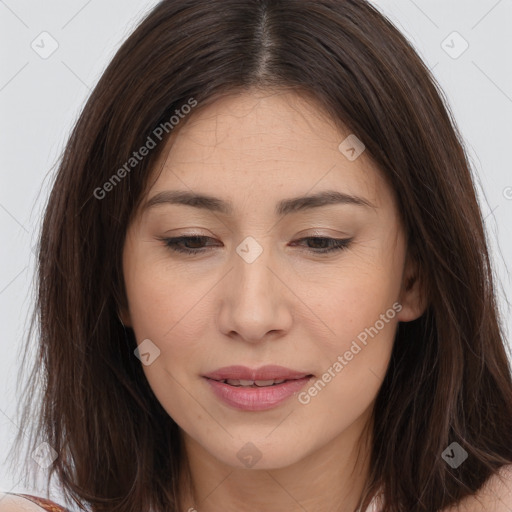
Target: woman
{"points": [[264, 282]]}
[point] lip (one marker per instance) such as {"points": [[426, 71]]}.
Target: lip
{"points": [[263, 373], [256, 399]]}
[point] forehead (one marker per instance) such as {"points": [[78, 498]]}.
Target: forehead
{"points": [[267, 145]]}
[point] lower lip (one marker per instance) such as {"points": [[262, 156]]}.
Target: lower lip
{"points": [[257, 399]]}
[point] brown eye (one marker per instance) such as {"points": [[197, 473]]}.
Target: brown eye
{"points": [[323, 245], [196, 244], [182, 244]]}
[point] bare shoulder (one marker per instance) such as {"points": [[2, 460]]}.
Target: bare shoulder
{"points": [[495, 495], [13, 503]]}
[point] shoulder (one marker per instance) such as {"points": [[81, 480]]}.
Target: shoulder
{"points": [[11, 502], [495, 495]]}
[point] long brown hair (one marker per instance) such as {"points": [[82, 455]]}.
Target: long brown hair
{"points": [[449, 378]]}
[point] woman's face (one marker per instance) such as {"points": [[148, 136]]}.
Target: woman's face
{"points": [[259, 289]]}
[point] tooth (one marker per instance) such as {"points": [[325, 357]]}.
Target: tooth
{"points": [[253, 383], [264, 382]]}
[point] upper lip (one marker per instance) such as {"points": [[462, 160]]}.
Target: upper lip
{"points": [[268, 372]]}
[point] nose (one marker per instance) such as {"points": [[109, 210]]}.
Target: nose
{"points": [[256, 303]]}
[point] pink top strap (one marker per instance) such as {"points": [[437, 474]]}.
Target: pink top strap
{"points": [[45, 504]]}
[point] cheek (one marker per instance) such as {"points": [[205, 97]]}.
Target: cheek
{"points": [[354, 366], [360, 313], [173, 312], [352, 302], [170, 313], [161, 300]]}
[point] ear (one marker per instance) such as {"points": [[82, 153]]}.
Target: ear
{"points": [[412, 292]]}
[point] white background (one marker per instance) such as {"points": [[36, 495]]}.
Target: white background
{"points": [[41, 98]]}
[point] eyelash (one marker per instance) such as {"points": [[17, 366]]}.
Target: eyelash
{"points": [[337, 244]]}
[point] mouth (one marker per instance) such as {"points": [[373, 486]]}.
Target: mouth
{"points": [[255, 383], [256, 390], [265, 376]]}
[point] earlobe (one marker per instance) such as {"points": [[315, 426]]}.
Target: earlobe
{"points": [[412, 295]]}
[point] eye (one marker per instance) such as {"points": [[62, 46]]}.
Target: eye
{"points": [[194, 245], [328, 245], [174, 244]]}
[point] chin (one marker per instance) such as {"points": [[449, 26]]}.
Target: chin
{"points": [[264, 454]]}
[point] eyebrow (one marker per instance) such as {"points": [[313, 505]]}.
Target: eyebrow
{"points": [[284, 207]]}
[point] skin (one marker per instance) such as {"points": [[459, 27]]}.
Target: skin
{"points": [[291, 306]]}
